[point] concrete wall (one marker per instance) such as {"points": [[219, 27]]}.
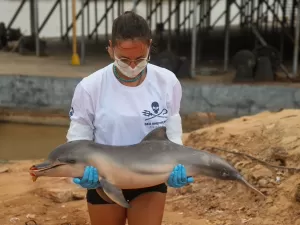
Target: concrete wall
{"points": [[52, 93], [238, 100], [37, 93]]}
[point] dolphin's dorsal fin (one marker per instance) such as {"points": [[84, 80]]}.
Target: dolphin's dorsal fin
{"points": [[159, 133]]}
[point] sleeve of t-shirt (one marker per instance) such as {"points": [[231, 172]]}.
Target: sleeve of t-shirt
{"points": [[81, 115], [173, 124], [176, 96]]}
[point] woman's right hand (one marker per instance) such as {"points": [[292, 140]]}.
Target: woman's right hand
{"points": [[90, 179]]}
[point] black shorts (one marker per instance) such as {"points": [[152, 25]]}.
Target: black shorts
{"points": [[129, 194]]}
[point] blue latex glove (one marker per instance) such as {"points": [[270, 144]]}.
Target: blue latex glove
{"points": [[90, 178], [178, 177]]}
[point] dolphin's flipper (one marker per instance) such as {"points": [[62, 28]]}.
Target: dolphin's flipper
{"points": [[103, 195], [114, 193]]}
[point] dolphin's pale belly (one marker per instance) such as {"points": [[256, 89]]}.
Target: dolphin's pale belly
{"points": [[135, 175], [127, 179]]}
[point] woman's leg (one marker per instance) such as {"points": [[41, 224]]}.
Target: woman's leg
{"points": [[148, 206], [102, 213], [107, 214]]}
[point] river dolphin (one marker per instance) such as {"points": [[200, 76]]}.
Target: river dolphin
{"points": [[148, 163]]}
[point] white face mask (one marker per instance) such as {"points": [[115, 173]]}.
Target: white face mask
{"points": [[127, 70]]}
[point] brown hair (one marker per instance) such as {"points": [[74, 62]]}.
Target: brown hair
{"points": [[130, 26]]}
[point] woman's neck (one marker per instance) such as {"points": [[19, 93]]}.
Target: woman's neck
{"points": [[130, 82]]}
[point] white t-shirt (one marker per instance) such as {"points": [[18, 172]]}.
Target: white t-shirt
{"points": [[108, 112]]}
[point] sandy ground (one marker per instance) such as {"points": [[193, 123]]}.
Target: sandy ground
{"points": [[272, 137]]}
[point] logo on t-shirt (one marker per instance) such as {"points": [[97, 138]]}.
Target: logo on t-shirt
{"points": [[156, 116]]}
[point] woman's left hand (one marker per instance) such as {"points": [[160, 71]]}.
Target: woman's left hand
{"points": [[178, 177]]}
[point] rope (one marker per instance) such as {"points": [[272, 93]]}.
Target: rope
{"points": [[253, 158]]}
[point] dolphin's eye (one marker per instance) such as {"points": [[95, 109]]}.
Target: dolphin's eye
{"points": [[71, 161], [224, 173]]}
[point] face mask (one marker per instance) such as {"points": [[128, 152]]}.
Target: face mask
{"points": [[127, 70]]}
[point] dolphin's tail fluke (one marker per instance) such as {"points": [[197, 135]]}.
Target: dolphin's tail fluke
{"points": [[243, 180]]}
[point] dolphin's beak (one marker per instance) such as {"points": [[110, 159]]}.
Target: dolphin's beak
{"points": [[247, 184], [36, 170]]}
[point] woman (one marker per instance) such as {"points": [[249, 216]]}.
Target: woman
{"points": [[119, 105]]}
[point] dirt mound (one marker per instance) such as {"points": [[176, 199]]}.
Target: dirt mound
{"points": [[198, 120], [272, 137]]}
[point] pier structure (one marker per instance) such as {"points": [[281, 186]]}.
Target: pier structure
{"points": [[190, 28], [209, 33]]}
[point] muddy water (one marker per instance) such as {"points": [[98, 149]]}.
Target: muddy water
{"points": [[26, 141]]}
